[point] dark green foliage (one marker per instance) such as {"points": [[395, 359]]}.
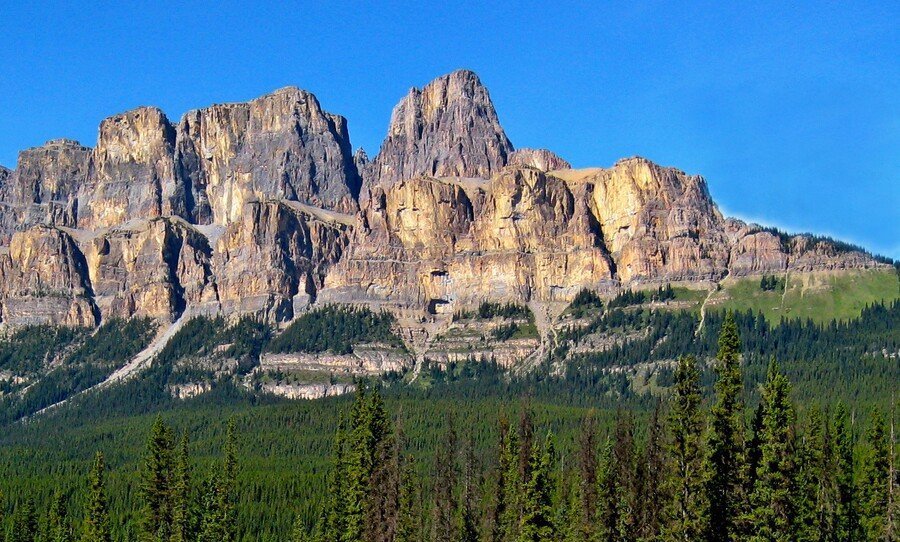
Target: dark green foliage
{"points": [[772, 512], [97, 522], [488, 310], [726, 440], [537, 514], [770, 283], [689, 511], [336, 329], [30, 348], [156, 486], [585, 303]]}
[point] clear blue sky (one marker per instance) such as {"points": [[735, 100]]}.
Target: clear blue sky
{"points": [[791, 113]]}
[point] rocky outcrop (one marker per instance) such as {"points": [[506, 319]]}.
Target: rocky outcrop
{"points": [[448, 128], [45, 280], [449, 243], [541, 159], [659, 224], [282, 145], [152, 268], [132, 174], [44, 186], [274, 259]]}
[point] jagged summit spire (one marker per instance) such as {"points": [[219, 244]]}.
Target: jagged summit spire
{"points": [[447, 128]]}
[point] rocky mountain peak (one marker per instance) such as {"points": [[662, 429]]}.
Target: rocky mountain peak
{"points": [[449, 128]]}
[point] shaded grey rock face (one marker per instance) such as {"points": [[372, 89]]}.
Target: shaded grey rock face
{"points": [[282, 145], [448, 128], [541, 159], [132, 174], [44, 186]]}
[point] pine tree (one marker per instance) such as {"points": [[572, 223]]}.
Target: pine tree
{"points": [[772, 512], [155, 484], [97, 523], [653, 497], [58, 528], [333, 520], [219, 501], [408, 523], [623, 467], [183, 515], [876, 486], [726, 443], [444, 511], [508, 486], [585, 498], [689, 513], [468, 514], [847, 526], [537, 511], [607, 518], [24, 523], [368, 429]]}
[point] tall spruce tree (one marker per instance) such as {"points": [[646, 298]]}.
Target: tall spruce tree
{"points": [[726, 439], [156, 484], [847, 527], [444, 527], [772, 512], [97, 522], [876, 484], [653, 498], [183, 527], [24, 526], [585, 498], [624, 470], [58, 527], [689, 512], [537, 510]]}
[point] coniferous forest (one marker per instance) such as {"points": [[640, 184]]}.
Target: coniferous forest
{"points": [[708, 461]]}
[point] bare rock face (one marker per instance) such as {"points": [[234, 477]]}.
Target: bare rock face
{"points": [[273, 260], [541, 159], [448, 243], [44, 186], [45, 280], [658, 223], [282, 145], [152, 268], [132, 173], [448, 128]]}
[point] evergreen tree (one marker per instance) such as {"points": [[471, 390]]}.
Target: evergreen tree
{"points": [[183, 513], [58, 527], [607, 522], [333, 520], [876, 486], [585, 498], [508, 486], [97, 523], [368, 429], [726, 439], [408, 523], [24, 523], [653, 498], [537, 510], [468, 521], [847, 526], [444, 511], [625, 490], [689, 512], [155, 484], [772, 512], [219, 502]]}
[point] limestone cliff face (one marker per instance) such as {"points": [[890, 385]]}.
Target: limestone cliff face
{"points": [[282, 145], [541, 159], [451, 242], [658, 223], [44, 186], [152, 268], [448, 128], [132, 174], [273, 260], [45, 280]]}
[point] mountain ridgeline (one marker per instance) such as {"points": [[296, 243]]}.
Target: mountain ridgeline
{"points": [[263, 208]]}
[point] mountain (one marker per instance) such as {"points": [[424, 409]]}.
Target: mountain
{"points": [[263, 209]]}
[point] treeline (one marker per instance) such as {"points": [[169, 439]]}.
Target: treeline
{"points": [[771, 283], [637, 297], [488, 310], [688, 472]]}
